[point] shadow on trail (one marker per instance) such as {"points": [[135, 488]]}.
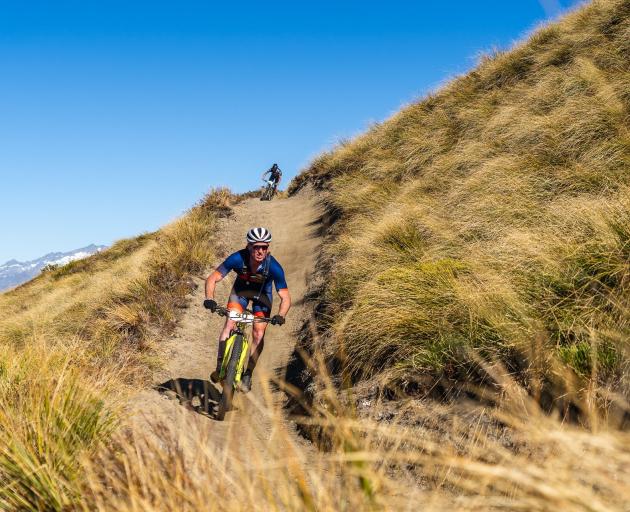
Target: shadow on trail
{"points": [[196, 395]]}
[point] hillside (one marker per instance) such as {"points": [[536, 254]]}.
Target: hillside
{"points": [[460, 276], [491, 220], [14, 273], [75, 342]]}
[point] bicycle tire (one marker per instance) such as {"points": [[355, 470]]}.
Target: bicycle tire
{"points": [[230, 376], [266, 195]]}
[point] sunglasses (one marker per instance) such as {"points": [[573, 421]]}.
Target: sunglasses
{"points": [[260, 247]]}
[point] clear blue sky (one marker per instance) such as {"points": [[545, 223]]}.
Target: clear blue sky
{"points": [[116, 116]]}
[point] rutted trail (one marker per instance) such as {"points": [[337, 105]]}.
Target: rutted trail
{"points": [[191, 352]]}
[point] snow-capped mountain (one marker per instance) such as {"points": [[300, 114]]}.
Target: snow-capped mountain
{"points": [[14, 272]]}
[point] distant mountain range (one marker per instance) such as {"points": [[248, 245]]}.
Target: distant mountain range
{"points": [[14, 272]]}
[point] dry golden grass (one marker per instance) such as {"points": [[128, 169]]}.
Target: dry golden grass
{"points": [[49, 414], [119, 300], [423, 456], [48, 305], [481, 235], [493, 215], [73, 340]]}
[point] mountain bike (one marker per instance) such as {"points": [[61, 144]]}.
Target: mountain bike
{"points": [[235, 356], [269, 190]]}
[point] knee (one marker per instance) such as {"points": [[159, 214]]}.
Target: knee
{"points": [[229, 325], [258, 336]]}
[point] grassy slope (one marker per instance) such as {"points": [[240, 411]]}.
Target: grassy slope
{"points": [[493, 215], [72, 338], [431, 201]]}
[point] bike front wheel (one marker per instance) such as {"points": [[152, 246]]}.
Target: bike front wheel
{"points": [[267, 193], [230, 378]]}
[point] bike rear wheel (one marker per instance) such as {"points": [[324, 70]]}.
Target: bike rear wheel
{"points": [[230, 378]]}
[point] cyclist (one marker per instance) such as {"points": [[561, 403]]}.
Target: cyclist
{"points": [[275, 174], [256, 269]]}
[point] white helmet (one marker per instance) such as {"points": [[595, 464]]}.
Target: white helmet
{"points": [[258, 235]]}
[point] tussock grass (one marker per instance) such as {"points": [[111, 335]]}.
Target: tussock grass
{"points": [[488, 222], [118, 301], [492, 215], [47, 417], [73, 340], [424, 455]]}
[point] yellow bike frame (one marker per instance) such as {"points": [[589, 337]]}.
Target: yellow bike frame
{"points": [[229, 344]]}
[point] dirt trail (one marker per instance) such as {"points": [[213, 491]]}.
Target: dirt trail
{"points": [[191, 352]]}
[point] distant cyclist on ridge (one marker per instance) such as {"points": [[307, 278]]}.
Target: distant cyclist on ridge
{"points": [[256, 270], [275, 175]]}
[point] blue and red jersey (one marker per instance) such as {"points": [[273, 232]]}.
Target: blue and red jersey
{"points": [[253, 284]]}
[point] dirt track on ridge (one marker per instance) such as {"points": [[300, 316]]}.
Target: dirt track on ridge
{"points": [[190, 354]]}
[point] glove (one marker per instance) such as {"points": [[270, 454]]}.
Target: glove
{"points": [[210, 304], [277, 320]]}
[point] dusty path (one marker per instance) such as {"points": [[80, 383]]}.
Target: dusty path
{"points": [[191, 353]]}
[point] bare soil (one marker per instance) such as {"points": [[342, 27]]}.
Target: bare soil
{"points": [[190, 354]]}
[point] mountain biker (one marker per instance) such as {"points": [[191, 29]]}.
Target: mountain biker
{"points": [[275, 174], [255, 270]]}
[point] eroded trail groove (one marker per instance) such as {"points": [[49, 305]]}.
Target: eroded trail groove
{"points": [[252, 430]]}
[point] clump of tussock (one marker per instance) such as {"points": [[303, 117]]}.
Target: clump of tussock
{"points": [[72, 339], [491, 216], [123, 299], [424, 455], [48, 415]]}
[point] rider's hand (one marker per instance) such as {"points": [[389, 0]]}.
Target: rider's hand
{"points": [[277, 320], [210, 304]]}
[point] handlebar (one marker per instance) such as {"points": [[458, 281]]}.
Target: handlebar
{"points": [[246, 316]]}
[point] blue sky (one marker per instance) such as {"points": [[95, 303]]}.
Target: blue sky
{"points": [[115, 117]]}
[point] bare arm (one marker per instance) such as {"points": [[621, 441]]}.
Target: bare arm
{"points": [[285, 301], [211, 282]]}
